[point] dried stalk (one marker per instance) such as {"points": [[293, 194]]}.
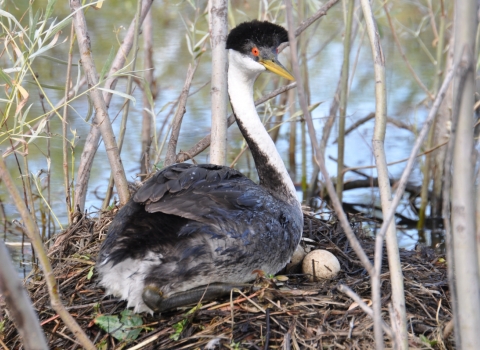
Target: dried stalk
{"points": [[292, 137], [343, 98], [356, 298], [201, 145], [33, 233], [205, 142], [440, 133], [396, 275], [446, 200], [322, 11], [126, 103], [319, 155], [177, 120], [218, 23], [66, 181], [312, 186], [404, 57], [148, 77], [93, 138], [303, 44], [19, 304], [102, 120], [463, 202]]}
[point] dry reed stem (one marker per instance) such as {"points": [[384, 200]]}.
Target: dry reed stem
{"points": [[66, 182], [148, 77], [319, 156], [177, 120], [126, 103], [19, 304], [344, 98], [218, 24], [93, 138], [101, 120], [35, 238], [378, 143], [201, 145]]}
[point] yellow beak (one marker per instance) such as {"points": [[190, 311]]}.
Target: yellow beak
{"points": [[276, 68]]}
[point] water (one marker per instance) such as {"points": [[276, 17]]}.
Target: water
{"points": [[107, 26]]}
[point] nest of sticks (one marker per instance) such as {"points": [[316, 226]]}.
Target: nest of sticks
{"points": [[287, 313]]}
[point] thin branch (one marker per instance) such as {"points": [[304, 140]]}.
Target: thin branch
{"points": [[378, 143], [397, 161], [413, 154], [33, 233], [102, 119], [319, 155], [361, 121], [66, 181], [218, 24], [177, 120], [309, 21], [93, 138], [201, 145], [404, 57], [147, 111], [126, 109], [19, 304], [356, 298], [344, 97]]}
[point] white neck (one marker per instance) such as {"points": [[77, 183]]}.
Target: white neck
{"points": [[242, 73]]}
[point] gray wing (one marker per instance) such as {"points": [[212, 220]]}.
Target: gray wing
{"points": [[200, 192]]}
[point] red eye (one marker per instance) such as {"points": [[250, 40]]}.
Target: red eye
{"points": [[255, 51]]}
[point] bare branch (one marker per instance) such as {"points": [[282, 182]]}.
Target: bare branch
{"points": [[319, 155], [31, 229], [201, 145], [309, 21], [177, 120], [378, 143], [102, 119], [19, 304], [356, 298], [218, 10], [93, 138]]}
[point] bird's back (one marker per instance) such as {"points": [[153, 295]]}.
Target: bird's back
{"points": [[192, 225]]}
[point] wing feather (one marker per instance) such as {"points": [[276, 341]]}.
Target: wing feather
{"points": [[199, 192]]}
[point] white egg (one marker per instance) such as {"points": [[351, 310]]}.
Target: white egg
{"points": [[321, 264], [296, 260]]}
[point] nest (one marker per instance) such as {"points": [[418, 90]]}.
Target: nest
{"points": [[286, 313]]}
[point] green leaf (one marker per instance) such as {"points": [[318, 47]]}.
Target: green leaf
{"points": [[427, 341], [121, 94], [178, 328], [126, 327], [5, 77], [108, 63], [90, 273], [49, 9], [45, 86], [56, 60]]}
